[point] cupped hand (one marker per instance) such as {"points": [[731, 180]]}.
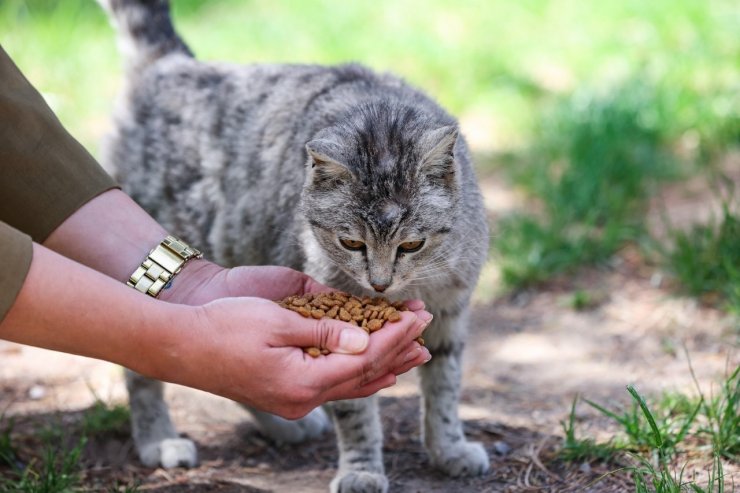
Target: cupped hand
{"points": [[248, 349], [202, 281]]}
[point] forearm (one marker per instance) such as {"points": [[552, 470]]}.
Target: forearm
{"points": [[222, 347], [113, 234], [110, 234], [67, 307]]}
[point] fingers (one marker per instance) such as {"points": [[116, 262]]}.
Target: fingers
{"points": [[392, 351], [414, 356], [422, 320], [311, 285], [276, 283], [334, 335], [350, 391], [342, 337], [386, 352], [414, 305]]}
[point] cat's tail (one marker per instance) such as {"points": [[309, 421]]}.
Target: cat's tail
{"points": [[145, 31]]}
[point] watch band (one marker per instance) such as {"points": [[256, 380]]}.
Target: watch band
{"points": [[161, 265]]}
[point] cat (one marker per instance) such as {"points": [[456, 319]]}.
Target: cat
{"points": [[328, 170]]}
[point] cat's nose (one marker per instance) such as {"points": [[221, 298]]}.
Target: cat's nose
{"points": [[379, 287]]}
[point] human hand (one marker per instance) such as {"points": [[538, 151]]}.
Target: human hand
{"points": [[202, 281], [248, 349]]}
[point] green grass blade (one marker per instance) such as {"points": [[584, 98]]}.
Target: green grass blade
{"points": [[689, 421], [606, 412], [648, 415]]}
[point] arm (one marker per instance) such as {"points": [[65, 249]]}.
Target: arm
{"points": [[112, 234], [221, 347], [65, 306]]}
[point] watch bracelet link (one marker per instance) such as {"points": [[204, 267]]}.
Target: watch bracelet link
{"points": [[161, 265]]}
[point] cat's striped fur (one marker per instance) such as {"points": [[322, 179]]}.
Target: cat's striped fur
{"points": [[273, 164]]}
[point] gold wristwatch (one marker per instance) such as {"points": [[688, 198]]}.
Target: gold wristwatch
{"points": [[161, 265]]}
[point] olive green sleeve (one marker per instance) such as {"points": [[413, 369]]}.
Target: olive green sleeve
{"points": [[45, 174], [16, 250]]}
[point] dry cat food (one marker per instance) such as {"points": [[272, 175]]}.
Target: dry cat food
{"points": [[367, 313]]}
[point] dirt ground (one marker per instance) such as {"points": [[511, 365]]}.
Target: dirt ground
{"points": [[528, 355]]}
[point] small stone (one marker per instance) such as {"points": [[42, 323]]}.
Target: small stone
{"points": [[501, 447], [37, 392], [585, 468]]}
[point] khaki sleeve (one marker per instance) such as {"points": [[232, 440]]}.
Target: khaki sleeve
{"points": [[45, 174], [16, 250]]}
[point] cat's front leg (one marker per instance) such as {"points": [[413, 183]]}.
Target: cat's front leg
{"points": [[155, 437], [360, 440], [440, 383]]}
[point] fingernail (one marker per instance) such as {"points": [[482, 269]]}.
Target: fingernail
{"points": [[412, 354], [352, 341], [426, 317], [429, 355]]}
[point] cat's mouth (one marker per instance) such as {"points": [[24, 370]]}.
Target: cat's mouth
{"points": [[388, 288]]}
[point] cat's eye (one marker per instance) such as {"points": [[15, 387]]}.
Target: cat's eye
{"points": [[352, 244], [411, 246]]}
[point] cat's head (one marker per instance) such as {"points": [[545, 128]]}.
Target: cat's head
{"points": [[381, 194]]}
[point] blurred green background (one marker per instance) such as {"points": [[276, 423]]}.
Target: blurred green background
{"points": [[496, 64], [584, 106]]}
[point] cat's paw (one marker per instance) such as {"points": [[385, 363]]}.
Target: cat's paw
{"points": [[311, 426], [359, 482], [462, 459], [169, 453]]}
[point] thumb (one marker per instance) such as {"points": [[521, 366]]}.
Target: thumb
{"points": [[334, 335], [339, 337]]}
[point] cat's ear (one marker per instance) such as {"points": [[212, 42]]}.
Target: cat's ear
{"points": [[325, 160], [438, 161]]}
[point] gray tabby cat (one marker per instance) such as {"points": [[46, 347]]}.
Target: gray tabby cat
{"points": [[352, 177]]}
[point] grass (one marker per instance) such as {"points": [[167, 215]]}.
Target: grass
{"points": [[58, 467], [56, 471], [650, 478], [706, 259], [654, 438], [105, 418], [597, 102], [722, 414], [607, 98], [595, 161], [478, 58], [8, 455], [594, 164], [576, 449]]}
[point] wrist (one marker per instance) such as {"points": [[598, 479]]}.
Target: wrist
{"points": [[187, 348], [191, 285], [165, 340]]}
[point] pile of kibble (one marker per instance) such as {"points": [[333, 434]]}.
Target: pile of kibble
{"points": [[367, 313]]}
